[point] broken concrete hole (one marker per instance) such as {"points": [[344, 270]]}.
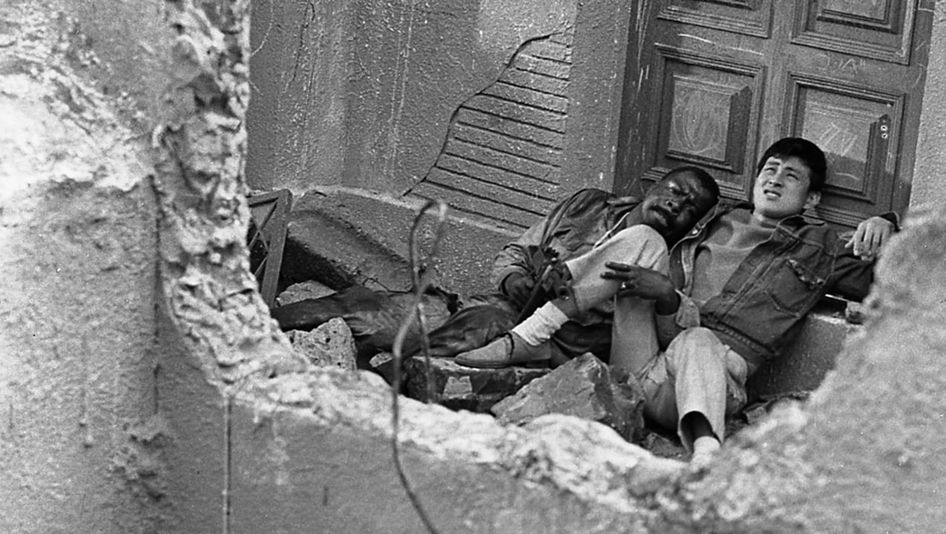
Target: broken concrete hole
{"points": [[143, 400]]}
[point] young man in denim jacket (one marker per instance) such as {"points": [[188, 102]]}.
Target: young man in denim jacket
{"points": [[740, 284]]}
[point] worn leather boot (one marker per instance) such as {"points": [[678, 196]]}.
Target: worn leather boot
{"points": [[506, 351]]}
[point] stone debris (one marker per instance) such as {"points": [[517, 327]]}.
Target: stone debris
{"points": [[320, 245], [583, 387], [331, 343], [310, 289], [855, 312], [464, 388]]}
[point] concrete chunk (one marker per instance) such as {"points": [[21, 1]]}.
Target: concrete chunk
{"points": [[583, 387], [321, 246], [310, 289], [330, 343], [459, 387]]}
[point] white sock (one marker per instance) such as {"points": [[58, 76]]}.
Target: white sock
{"points": [[539, 327], [705, 445]]}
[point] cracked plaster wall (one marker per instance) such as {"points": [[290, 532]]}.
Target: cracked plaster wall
{"points": [[360, 93], [76, 300]]}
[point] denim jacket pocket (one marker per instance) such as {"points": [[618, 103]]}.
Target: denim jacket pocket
{"points": [[794, 286]]}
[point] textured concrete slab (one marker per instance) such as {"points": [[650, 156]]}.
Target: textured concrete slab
{"points": [[330, 343], [312, 453], [807, 360], [310, 289], [333, 251], [462, 263], [583, 387]]}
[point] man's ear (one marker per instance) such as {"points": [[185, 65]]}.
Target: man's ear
{"points": [[814, 197]]}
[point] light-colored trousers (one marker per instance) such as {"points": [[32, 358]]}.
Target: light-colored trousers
{"points": [[697, 372]]}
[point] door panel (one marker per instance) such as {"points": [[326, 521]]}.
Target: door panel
{"points": [[707, 115], [713, 83], [859, 130], [876, 29], [749, 17]]}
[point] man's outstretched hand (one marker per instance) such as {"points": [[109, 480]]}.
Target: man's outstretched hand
{"points": [[869, 237], [644, 283], [518, 287]]}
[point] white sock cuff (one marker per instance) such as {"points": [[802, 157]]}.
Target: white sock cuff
{"points": [[706, 444], [539, 327]]}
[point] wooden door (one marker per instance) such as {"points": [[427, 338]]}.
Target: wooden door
{"points": [[714, 82]]}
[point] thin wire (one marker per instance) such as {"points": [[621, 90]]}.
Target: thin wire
{"points": [[420, 285]]}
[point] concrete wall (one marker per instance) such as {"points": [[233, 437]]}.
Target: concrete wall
{"points": [[361, 93], [927, 190], [77, 353]]}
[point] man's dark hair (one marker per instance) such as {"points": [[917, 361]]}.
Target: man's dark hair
{"points": [[706, 179], [804, 150]]}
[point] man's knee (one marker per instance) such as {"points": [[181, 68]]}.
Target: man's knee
{"points": [[695, 342], [697, 336]]}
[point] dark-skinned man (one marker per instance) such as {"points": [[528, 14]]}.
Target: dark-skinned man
{"points": [[586, 232]]}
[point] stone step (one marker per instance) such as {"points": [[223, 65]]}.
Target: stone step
{"points": [[807, 360]]}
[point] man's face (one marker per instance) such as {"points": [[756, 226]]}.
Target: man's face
{"points": [[781, 189], [675, 204]]}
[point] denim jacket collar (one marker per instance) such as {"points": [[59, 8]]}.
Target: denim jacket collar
{"points": [[725, 206]]}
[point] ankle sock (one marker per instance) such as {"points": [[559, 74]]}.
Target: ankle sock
{"points": [[540, 326], [705, 445]]}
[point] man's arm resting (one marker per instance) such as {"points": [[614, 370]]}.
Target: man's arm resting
{"points": [[674, 311], [513, 259], [646, 284], [518, 287], [871, 234], [854, 270]]}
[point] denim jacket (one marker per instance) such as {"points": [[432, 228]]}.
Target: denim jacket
{"points": [[762, 306]]}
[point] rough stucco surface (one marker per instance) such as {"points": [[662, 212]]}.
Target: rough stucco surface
{"points": [[325, 464], [927, 188], [76, 298]]}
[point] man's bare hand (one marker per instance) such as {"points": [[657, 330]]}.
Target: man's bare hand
{"points": [[869, 237], [644, 283], [518, 287]]}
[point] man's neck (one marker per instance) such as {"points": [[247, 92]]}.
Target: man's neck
{"points": [[634, 217], [764, 220]]}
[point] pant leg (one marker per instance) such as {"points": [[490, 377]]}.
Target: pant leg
{"points": [[637, 245], [633, 334], [697, 373]]}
